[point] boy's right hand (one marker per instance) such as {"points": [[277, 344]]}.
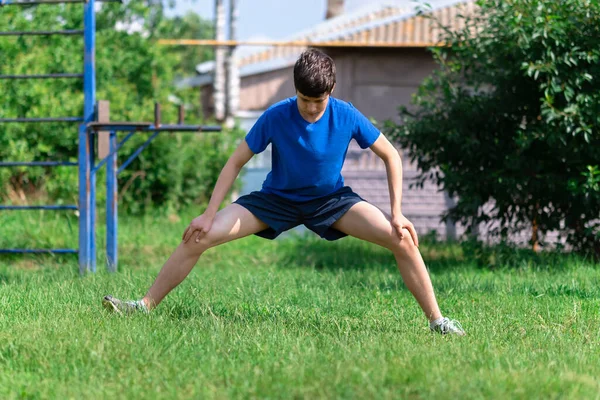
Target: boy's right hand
{"points": [[198, 228]]}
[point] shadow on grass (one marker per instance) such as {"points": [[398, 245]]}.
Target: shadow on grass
{"points": [[32, 260], [439, 256], [299, 318], [353, 254], [19, 268], [506, 256]]}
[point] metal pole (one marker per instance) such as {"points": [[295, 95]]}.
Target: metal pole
{"points": [[92, 204], [111, 204], [157, 115], [42, 76], [137, 152], [40, 207], [181, 117], [38, 164], [25, 120], [89, 63], [43, 33], [86, 158], [84, 200], [35, 2], [39, 251]]}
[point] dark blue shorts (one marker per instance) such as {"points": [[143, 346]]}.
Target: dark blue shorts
{"points": [[317, 215]]}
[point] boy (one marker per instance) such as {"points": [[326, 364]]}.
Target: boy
{"points": [[310, 134]]}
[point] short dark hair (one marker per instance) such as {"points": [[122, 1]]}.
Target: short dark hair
{"points": [[314, 73]]}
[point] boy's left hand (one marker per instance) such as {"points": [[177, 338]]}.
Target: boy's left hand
{"points": [[400, 222]]}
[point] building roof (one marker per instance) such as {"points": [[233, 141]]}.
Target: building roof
{"points": [[390, 22]]}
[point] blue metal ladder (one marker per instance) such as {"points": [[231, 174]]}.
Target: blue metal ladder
{"points": [[89, 88], [88, 132]]}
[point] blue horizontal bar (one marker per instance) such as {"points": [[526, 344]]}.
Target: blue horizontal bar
{"points": [[58, 119], [163, 128], [190, 128], [58, 251], [43, 33], [53, 207], [33, 2], [37, 163], [42, 76]]}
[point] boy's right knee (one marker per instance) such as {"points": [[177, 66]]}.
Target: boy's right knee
{"points": [[202, 243]]}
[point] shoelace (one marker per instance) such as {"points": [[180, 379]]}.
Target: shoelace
{"points": [[448, 325]]}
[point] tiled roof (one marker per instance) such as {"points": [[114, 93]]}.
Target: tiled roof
{"points": [[391, 22]]}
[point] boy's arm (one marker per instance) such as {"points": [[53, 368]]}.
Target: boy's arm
{"points": [[229, 173], [393, 166], [202, 223]]}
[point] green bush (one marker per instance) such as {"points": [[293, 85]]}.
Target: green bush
{"points": [[176, 170], [511, 119]]}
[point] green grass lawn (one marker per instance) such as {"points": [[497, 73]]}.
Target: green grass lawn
{"points": [[293, 318]]}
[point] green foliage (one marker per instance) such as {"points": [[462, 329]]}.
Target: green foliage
{"points": [[133, 73], [188, 26], [511, 117], [176, 170]]}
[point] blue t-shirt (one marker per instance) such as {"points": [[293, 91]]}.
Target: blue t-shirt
{"points": [[307, 158]]}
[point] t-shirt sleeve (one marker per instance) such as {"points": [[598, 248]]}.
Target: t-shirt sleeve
{"points": [[259, 136], [365, 133]]}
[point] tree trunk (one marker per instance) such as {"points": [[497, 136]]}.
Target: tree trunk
{"points": [[233, 76], [535, 244], [220, 53]]}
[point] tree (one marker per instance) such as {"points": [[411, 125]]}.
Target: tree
{"points": [[511, 118], [188, 26], [133, 72]]}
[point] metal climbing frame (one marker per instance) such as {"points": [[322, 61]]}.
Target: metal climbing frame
{"points": [[88, 77], [89, 129], [89, 136]]}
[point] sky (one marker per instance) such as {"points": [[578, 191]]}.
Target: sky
{"points": [[274, 19]]}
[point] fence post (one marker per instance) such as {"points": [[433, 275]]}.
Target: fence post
{"points": [[103, 115]]}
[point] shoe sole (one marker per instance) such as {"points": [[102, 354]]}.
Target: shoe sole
{"points": [[450, 333]]}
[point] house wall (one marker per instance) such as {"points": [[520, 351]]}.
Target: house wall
{"points": [[377, 82], [258, 92]]}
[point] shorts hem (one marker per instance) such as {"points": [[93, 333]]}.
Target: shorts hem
{"points": [[330, 233]]}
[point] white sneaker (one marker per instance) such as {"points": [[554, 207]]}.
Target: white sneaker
{"points": [[448, 327], [124, 307]]}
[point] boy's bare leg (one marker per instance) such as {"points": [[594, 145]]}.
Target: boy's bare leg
{"points": [[367, 222], [232, 222]]}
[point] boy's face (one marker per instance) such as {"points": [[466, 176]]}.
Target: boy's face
{"points": [[312, 108]]}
